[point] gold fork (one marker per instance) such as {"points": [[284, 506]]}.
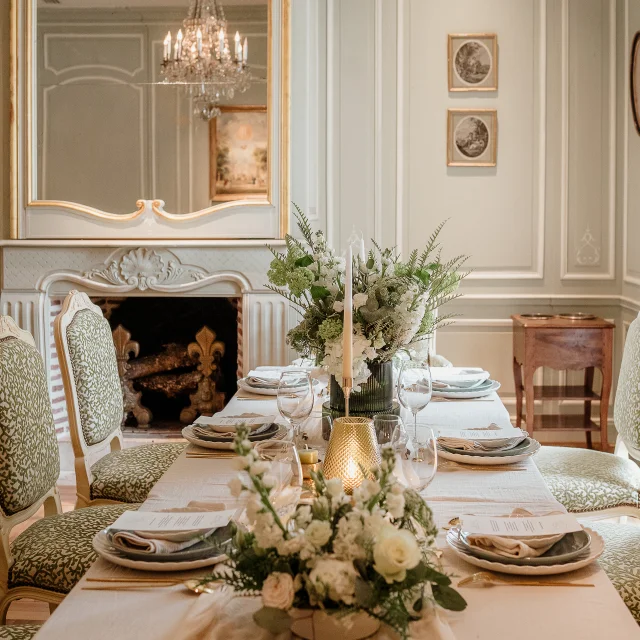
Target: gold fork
{"points": [[484, 578]]}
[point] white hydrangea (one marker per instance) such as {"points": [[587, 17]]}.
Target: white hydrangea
{"points": [[334, 579], [362, 353]]}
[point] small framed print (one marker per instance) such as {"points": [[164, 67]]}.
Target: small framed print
{"points": [[472, 137], [473, 62]]}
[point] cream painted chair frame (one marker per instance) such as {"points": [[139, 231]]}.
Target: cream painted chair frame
{"points": [[52, 506], [85, 455]]}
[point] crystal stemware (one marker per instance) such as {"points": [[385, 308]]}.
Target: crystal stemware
{"points": [[295, 400], [420, 463], [385, 425], [414, 389]]}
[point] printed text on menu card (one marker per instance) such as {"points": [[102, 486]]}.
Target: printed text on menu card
{"points": [[155, 521], [517, 526]]}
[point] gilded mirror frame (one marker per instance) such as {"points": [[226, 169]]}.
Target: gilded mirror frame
{"points": [[31, 218]]}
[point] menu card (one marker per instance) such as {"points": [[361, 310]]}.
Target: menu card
{"points": [[155, 521], [520, 526], [480, 434], [231, 421]]}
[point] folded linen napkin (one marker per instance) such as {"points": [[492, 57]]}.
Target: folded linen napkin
{"points": [[219, 424], [509, 547], [156, 542], [497, 444], [269, 378]]}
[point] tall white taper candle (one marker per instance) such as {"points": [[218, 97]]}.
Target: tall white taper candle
{"points": [[347, 347]]}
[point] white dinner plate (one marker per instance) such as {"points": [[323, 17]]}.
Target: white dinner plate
{"points": [[107, 551], [467, 393], [464, 378], [268, 391], [489, 459], [595, 551], [187, 434]]}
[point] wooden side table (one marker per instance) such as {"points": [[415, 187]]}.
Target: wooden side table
{"points": [[563, 344]]}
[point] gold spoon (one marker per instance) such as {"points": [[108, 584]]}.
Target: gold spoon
{"points": [[194, 585], [484, 578]]}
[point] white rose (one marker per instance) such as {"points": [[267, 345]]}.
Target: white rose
{"points": [[359, 300], [318, 533], [278, 591], [338, 306], [258, 468], [334, 579], [334, 487], [395, 504], [235, 486], [394, 553]]}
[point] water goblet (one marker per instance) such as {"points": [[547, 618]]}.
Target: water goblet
{"points": [[385, 424], [420, 463], [414, 389], [295, 400]]}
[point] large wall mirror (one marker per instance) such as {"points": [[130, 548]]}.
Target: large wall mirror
{"points": [[151, 119]]}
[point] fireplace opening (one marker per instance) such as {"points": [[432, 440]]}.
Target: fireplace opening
{"points": [[177, 357]]}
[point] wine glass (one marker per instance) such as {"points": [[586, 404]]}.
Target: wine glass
{"points": [[385, 425], [420, 463], [414, 389], [295, 400]]}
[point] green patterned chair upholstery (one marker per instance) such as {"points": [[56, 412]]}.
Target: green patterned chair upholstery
{"points": [[130, 474], [621, 561], [19, 631], [46, 560], [590, 481], [586, 481], [105, 473], [626, 410]]}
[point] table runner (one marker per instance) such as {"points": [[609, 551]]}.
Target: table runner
{"points": [[525, 613]]}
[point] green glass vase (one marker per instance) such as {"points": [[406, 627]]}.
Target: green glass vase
{"points": [[375, 395]]}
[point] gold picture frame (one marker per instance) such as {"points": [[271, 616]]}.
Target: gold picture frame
{"points": [[472, 61], [634, 81], [250, 124], [472, 137]]}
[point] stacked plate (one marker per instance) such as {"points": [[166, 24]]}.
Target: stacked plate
{"points": [[265, 382], [458, 383], [499, 454], [208, 551], [219, 433], [572, 551]]}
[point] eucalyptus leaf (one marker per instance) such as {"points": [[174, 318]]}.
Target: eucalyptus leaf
{"points": [[273, 620], [317, 293], [448, 598], [365, 596], [424, 573], [305, 261]]}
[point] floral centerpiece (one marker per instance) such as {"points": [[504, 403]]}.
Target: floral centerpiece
{"points": [[370, 553], [394, 301]]}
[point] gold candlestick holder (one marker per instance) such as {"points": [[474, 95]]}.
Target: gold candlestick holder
{"points": [[353, 446]]}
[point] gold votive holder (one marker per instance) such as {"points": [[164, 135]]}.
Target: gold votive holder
{"points": [[353, 444], [308, 468]]}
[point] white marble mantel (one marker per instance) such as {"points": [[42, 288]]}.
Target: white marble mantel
{"points": [[33, 272]]}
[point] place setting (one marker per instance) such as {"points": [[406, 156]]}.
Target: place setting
{"points": [[521, 543], [166, 541], [457, 383], [491, 445]]}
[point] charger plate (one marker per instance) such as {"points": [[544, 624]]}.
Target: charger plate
{"points": [[477, 392], [189, 436], [595, 551], [106, 550], [520, 448], [270, 391], [503, 459]]}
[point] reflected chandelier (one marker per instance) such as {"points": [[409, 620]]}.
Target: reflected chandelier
{"points": [[201, 60]]}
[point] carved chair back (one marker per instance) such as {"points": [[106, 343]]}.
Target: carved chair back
{"points": [[91, 383], [627, 404], [29, 457]]}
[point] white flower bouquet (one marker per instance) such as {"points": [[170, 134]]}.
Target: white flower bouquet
{"points": [[394, 301], [371, 552]]}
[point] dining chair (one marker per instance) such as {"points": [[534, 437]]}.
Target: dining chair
{"points": [[18, 631], [46, 560], [596, 483], [105, 472], [621, 560]]}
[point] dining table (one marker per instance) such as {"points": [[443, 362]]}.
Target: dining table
{"points": [[514, 612]]}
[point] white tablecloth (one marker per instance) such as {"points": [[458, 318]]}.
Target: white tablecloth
{"points": [[522, 613]]}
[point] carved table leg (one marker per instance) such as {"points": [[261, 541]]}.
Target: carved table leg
{"points": [[529, 396], [588, 386]]}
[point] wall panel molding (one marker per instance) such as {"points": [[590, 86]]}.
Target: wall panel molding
{"points": [[565, 242]]}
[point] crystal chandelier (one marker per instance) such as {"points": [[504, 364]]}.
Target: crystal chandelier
{"points": [[201, 60]]}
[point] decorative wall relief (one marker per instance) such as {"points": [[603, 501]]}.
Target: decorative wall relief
{"points": [[473, 62], [144, 269], [588, 252]]}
